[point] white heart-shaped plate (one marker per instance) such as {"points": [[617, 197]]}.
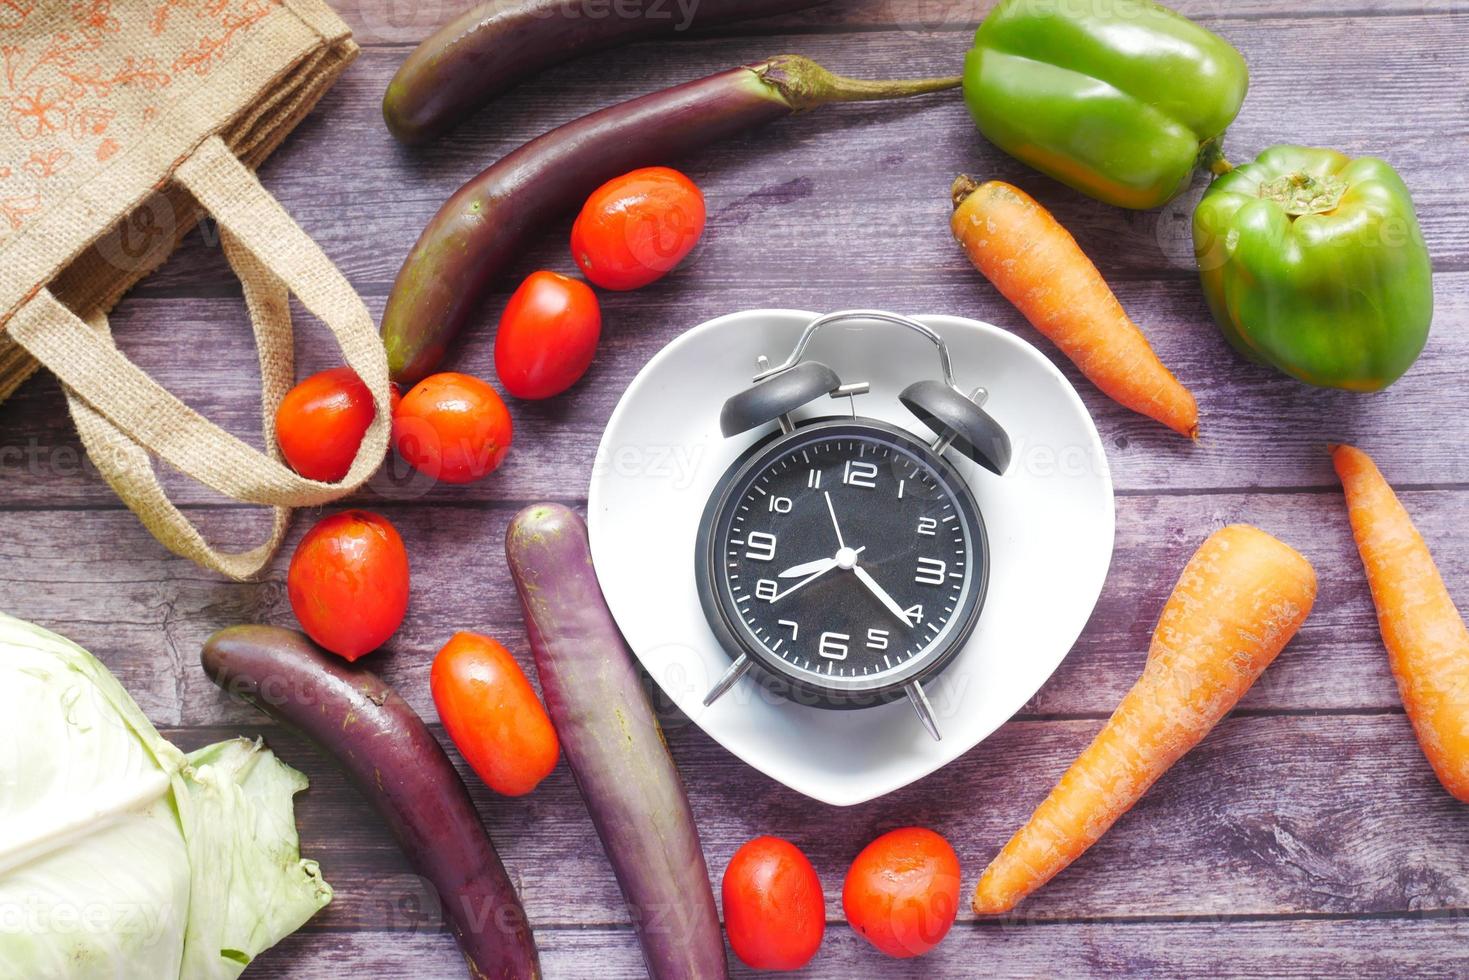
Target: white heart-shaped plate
{"points": [[1050, 522]]}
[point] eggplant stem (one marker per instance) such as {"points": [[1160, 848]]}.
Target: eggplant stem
{"points": [[803, 84]]}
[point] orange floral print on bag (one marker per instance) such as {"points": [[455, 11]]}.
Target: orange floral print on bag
{"points": [[65, 90]]}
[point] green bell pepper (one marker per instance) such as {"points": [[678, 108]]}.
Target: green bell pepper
{"points": [[1120, 99], [1314, 263]]}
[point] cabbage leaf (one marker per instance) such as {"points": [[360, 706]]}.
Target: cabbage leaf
{"points": [[120, 856]]}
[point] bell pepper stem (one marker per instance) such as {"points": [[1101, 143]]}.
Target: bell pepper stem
{"points": [[1302, 193], [1211, 155], [803, 84]]}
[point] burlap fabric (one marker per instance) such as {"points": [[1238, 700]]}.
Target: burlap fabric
{"points": [[127, 120]]}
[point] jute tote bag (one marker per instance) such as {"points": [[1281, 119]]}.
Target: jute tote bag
{"points": [[124, 121]]}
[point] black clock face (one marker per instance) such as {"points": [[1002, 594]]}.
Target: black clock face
{"points": [[847, 556]]}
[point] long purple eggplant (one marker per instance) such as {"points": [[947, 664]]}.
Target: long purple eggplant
{"points": [[614, 745], [489, 48], [489, 220], [395, 761]]}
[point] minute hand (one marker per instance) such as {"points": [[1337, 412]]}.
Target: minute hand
{"points": [[881, 593]]}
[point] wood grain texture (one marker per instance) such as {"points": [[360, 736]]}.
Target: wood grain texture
{"points": [[1365, 828], [406, 22], [1305, 837], [97, 577], [1259, 429], [864, 178], [806, 214], [1196, 950]]}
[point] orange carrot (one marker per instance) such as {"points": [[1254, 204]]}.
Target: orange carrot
{"points": [[1427, 644], [1240, 599], [1037, 265]]}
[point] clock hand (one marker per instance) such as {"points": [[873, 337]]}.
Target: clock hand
{"points": [[809, 578], [832, 511], [806, 568], [866, 579]]}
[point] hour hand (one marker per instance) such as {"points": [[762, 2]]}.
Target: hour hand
{"points": [[819, 565], [806, 568]]}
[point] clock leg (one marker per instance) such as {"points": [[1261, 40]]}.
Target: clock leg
{"points": [[919, 700], [735, 672]]}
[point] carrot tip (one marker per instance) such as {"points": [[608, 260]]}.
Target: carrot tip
{"points": [[980, 906], [1189, 430], [1343, 455]]}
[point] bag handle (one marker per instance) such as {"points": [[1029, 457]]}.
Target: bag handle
{"points": [[128, 469], [125, 414]]}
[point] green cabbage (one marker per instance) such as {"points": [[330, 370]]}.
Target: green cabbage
{"points": [[120, 856]]}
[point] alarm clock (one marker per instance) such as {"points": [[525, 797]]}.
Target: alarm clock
{"points": [[843, 560]]}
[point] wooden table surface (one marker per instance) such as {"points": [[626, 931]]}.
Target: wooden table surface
{"points": [[1305, 836]]}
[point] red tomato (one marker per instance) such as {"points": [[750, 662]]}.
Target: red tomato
{"points": [[348, 582], [320, 423], [548, 335], [492, 714], [635, 228], [902, 891], [452, 427], [773, 908]]}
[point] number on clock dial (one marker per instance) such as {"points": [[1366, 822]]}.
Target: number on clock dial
{"points": [[781, 546]]}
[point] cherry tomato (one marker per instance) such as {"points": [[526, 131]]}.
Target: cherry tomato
{"points": [[774, 911], [635, 228], [452, 427], [348, 582], [492, 714], [902, 891], [320, 423], [548, 335]]}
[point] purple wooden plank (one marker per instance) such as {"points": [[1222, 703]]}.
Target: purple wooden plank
{"points": [[405, 22], [100, 579], [1274, 815], [1422, 947], [771, 194], [860, 178], [1259, 428]]}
